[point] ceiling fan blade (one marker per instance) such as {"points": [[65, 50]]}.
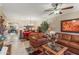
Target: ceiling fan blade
{"points": [[70, 7], [51, 13], [51, 9]]}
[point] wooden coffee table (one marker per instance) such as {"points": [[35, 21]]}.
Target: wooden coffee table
{"points": [[52, 51]]}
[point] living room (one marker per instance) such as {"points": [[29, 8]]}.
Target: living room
{"points": [[39, 29]]}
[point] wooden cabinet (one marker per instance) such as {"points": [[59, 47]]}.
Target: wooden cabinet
{"points": [[1, 45], [9, 50]]}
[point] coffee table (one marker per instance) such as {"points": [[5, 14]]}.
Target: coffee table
{"points": [[54, 50]]}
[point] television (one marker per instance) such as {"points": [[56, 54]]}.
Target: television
{"points": [[71, 25]]}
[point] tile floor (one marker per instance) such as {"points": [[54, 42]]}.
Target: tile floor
{"points": [[18, 47]]}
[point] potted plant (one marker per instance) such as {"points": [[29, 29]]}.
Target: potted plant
{"points": [[44, 26]]}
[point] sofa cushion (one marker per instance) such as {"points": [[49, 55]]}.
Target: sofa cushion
{"points": [[75, 38], [74, 45], [63, 42], [69, 44], [35, 35], [66, 37]]}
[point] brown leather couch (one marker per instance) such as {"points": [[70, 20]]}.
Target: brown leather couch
{"points": [[69, 40], [38, 42], [37, 39]]}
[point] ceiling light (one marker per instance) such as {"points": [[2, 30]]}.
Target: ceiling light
{"points": [[56, 12]]}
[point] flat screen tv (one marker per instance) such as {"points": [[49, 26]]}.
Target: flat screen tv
{"points": [[70, 25]]}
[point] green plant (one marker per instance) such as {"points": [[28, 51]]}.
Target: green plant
{"points": [[39, 29], [44, 26]]}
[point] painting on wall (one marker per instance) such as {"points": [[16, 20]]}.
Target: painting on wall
{"points": [[70, 25]]}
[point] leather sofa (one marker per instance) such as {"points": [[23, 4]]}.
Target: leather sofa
{"points": [[70, 41], [38, 42], [37, 39]]}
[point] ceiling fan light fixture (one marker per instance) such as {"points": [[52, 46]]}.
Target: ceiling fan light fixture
{"points": [[57, 12]]}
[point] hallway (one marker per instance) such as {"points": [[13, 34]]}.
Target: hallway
{"points": [[18, 47]]}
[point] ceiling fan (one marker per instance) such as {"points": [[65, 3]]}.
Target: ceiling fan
{"points": [[56, 8]]}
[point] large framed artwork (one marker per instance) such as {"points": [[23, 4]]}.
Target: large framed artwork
{"points": [[71, 25]]}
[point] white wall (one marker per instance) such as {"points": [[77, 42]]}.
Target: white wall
{"points": [[56, 21], [1, 12]]}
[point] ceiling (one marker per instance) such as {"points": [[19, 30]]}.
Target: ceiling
{"points": [[22, 11]]}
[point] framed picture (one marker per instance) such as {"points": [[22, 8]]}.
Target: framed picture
{"points": [[71, 25]]}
